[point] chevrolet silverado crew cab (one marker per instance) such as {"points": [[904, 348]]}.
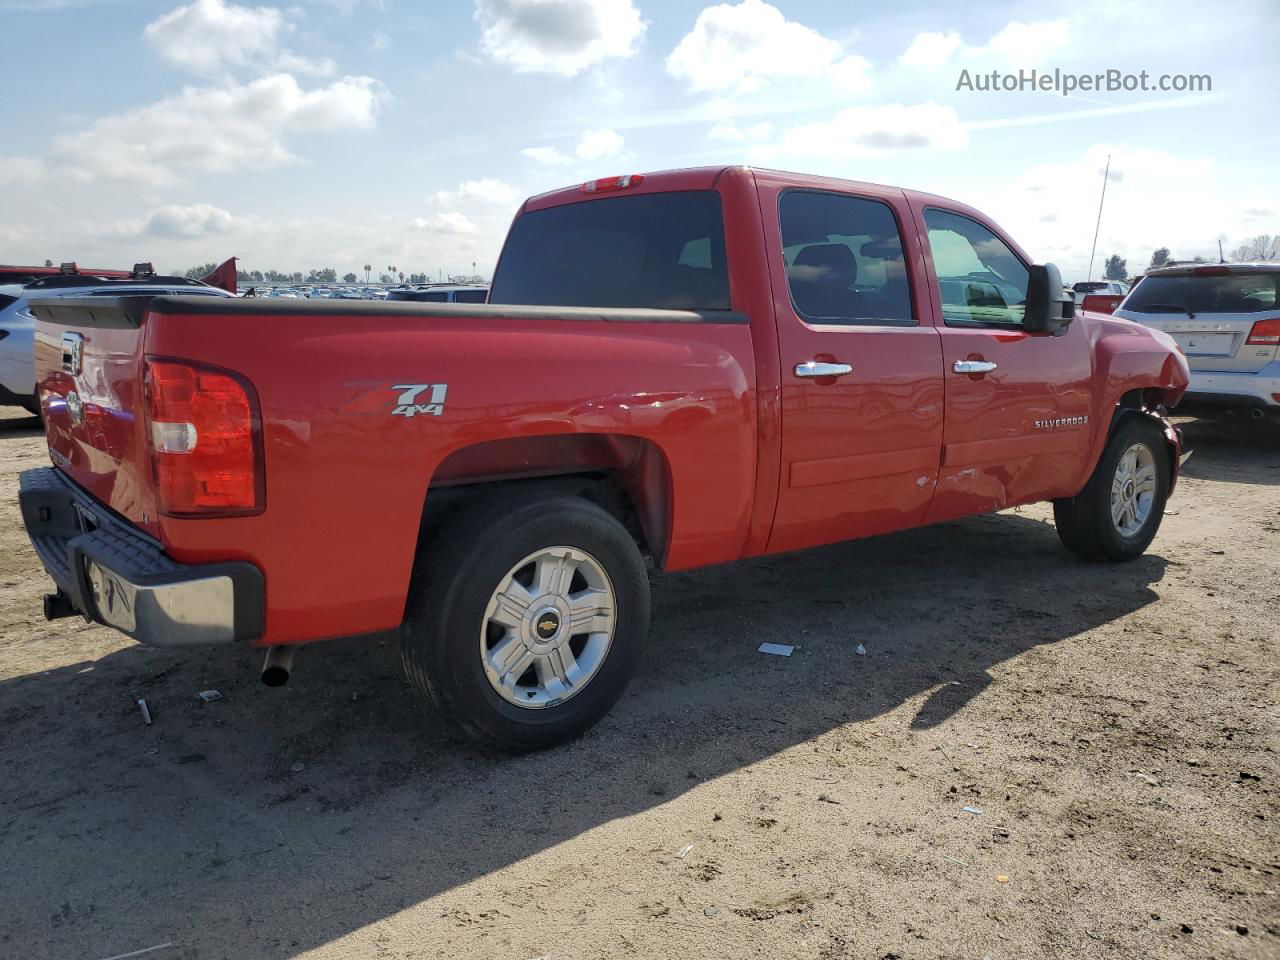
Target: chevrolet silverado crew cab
{"points": [[673, 370]]}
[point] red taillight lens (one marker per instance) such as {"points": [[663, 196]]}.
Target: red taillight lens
{"points": [[1265, 333], [205, 436]]}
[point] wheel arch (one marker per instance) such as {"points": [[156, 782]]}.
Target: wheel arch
{"points": [[1148, 402], [627, 475]]}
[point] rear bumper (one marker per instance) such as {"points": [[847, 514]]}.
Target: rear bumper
{"points": [[1257, 389], [117, 576]]}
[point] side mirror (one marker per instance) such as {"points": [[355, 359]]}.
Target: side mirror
{"points": [[1049, 308]]}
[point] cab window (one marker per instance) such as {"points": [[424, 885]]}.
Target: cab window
{"points": [[844, 259], [981, 282]]}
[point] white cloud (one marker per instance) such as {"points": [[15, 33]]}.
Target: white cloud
{"points": [[449, 222], [592, 145], [734, 134], [1016, 44], [931, 50], [862, 130], [1051, 208], [547, 156], [597, 144], [188, 222], [1026, 43], [380, 41], [561, 37], [17, 170], [486, 190], [210, 37], [213, 129], [739, 48]]}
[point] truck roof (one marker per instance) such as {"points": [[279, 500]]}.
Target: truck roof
{"points": [[706, 178]]}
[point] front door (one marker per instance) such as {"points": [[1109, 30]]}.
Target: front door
{"points": [[861, 367], [1017, 403]]}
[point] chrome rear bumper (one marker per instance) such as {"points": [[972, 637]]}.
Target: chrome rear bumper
{"points": [[116, 575]]}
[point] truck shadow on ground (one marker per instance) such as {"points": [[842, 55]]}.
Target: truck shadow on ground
{"points": [[280, 820]]}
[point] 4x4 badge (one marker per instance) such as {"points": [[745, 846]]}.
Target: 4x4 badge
{"points": [[408, 406]]}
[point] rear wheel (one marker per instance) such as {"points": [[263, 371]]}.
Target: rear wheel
{"points": [[526, 619], [1117, 514]]}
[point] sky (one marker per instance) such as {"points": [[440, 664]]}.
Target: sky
{"points": [[335, 133]]}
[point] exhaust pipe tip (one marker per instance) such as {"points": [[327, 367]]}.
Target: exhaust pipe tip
{"points": [[58, 605], [278, 665]]}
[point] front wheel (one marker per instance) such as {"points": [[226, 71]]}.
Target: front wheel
{"points": [[526, 619], [1117, 514]]}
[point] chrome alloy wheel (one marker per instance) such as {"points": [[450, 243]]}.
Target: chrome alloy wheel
{"points": [[1133, 490], [548, 627]]}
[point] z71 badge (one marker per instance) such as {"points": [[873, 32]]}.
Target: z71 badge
{"points": [[408, 405]]}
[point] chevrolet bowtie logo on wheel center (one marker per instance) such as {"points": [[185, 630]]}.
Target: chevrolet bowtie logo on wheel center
{"points": [[547, 626]]}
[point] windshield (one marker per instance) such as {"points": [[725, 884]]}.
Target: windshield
{"points": [[1222, 293], [652, 250]]}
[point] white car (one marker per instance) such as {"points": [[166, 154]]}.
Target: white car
{"points": [[1110, 288], [17, 323], [1226, 318]]}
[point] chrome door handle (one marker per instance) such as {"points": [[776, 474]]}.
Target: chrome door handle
{"points": [[973, 366], [815, 368]]}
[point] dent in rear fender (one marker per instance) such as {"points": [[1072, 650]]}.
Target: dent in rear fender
{"points": [[1129, 357], [346, 490]]}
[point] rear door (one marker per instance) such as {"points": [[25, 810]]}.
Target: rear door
{"points": [[861, 364], [1017, 403], [1210, 312]]}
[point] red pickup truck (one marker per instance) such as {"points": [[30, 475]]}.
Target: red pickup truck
{"points": [[672, 370]]}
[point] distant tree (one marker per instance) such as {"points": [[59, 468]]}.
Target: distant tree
{"points": [[195, 273], [297, 276], [327, 275], [384, 278], [1160, 258], [367, 268], [257, 275], [48, 263], [401, 277], [348, 278], [1262, 247], [1116, 269]]}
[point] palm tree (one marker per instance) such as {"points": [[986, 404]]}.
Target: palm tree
{"points": [[367, 268]]}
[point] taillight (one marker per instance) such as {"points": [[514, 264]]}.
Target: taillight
{"points": [[205, 434], [1265, 333]]}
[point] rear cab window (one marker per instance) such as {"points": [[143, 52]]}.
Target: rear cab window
{"points": [[1206, 293], [660, 250], [844, 259], [981, 281]]}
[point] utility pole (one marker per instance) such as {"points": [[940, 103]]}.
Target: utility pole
{"points": [[1097, 226]]}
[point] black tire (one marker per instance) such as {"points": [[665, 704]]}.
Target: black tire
{"points": [[1084, 522], [453, 581]]}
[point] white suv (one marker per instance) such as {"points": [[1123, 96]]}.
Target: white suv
{"points": [[1226, 319], [17, 325]]}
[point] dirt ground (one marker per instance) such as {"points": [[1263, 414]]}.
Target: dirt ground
{"points": [[1112, 729]]}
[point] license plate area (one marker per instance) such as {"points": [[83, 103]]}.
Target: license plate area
{"points": [[1206, 344]]}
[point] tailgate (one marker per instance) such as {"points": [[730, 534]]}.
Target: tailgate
{"points": [[88, 366], [1213, 341]]}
